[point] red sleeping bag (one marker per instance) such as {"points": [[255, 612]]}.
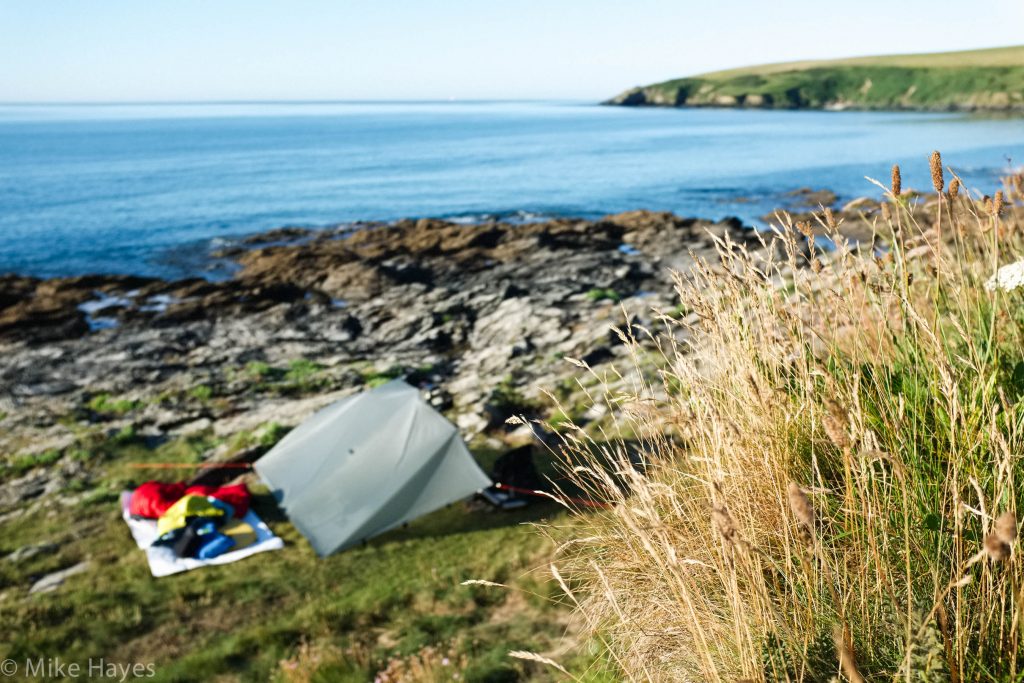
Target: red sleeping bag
{"points": [[152, 499]]}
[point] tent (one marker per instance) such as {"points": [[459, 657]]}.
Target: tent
{"points": [[367, 464]]}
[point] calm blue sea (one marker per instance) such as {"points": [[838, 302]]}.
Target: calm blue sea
{"points": [[149, 188]]}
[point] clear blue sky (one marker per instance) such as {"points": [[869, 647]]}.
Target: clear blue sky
{"points": [[116, 50]]}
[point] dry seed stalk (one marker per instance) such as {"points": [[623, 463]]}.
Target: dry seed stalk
{"points": [[1005, 527], [801, 506], [997, 204], [845, 652], [724, 523], [835, 423], [995, 547], [897, 181], [938, 182]]}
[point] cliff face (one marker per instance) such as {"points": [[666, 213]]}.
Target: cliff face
{"points": [[967, 84]]}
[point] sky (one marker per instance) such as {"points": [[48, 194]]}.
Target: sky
{"points": [[218, 50]]}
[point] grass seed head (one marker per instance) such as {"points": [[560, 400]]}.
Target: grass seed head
{"points": [[800, 504], [724, 523], [954, 188], [998, 203], [997, 549], [938, 182], [835, 422], [897, 181], [846, 660], [1005, 528]]}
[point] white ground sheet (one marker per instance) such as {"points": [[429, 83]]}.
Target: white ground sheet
{"points": [[163, 561]]}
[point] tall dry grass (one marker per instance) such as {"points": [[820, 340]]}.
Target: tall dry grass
{"points": [[830, 464]]}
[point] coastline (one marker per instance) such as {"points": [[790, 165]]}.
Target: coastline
{"points": [[484, 315], [987, 80]]}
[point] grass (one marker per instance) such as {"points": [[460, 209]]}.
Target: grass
{"points": [[395, 604], [992, 57], [105, 404], [28, 461], [982, 79], [201, 393], [831, 485], [374, 378], [602, 294]]}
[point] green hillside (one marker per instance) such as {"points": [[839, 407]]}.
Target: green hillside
{"points": [[976, 80]]}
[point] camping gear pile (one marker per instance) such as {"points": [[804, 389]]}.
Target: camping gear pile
{"points": [[182, 527], [196, 521]]}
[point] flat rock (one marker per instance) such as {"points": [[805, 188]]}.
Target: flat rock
{"points": [[29, 551], [52, 582]]}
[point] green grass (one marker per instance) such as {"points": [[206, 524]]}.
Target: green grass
{"points": [[28, 461], [105, 404], [389, 598], [981, 79], [373, 377], [302, 370], [992, 57], [201, 393], [602, 294]]}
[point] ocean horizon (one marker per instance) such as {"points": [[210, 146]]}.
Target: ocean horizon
{"points": [[150, 188]]}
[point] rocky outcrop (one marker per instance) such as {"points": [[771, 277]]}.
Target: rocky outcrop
{"points": [[460, 308]]}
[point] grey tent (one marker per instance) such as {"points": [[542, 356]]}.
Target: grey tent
{"points": [[367, 464]]}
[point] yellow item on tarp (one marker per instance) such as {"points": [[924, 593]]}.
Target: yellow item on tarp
{"points": [[243, 534], [178, 515]]}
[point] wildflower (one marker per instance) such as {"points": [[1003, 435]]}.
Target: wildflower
{"points": [[1007, 278]]}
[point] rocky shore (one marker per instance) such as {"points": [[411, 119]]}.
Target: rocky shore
{"points": [[485, 317]]}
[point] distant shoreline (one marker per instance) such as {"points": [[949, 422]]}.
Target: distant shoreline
{"points": [[971, 81]]}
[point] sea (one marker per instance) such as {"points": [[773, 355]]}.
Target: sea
{"points": [[154, 189]]}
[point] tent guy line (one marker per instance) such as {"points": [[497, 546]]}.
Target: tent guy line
{"points": [[248, 466], [190, 465]]}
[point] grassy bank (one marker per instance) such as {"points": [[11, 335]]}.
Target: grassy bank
{"points": [[834, 474], [973, 80]]}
